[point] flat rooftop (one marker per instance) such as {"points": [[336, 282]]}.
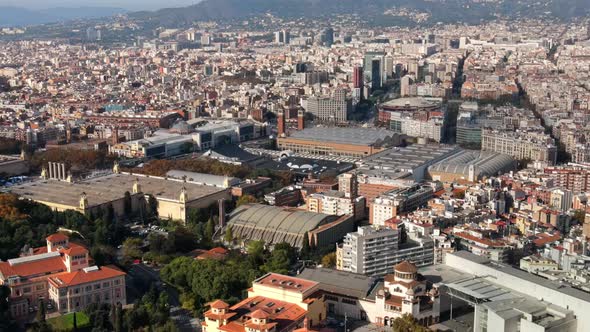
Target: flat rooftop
{"points": [[354, 136], [107, 188], [412, 102], [340, 282], [401, 160], [529, 277], [287, 283]]}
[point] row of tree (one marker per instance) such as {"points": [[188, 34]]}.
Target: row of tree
{"points": [[202, 281]]}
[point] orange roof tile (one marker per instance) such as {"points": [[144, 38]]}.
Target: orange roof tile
{"points": [[34, 268], [218, 304], [75, 250], [57, 237], [405, 267], [80, 277], [260, 327], [233, 327], [285, 282], [259, 314]]}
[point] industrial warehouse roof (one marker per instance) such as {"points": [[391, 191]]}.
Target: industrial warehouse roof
{"points": [[273, 224], [486, 163], [355, 136], [106, 188], [400, 161]]}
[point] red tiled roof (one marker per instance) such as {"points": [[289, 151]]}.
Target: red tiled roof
{"points": [[395, 300], [233, 326], [57, 237], [260, 327], [484, 241], [218, 304], [544, 238], [405, 267], [287, 314], [34, 268], [259, 314], [81, 277], [218, 253], [211, 315], [75, 250], [285, 282]]}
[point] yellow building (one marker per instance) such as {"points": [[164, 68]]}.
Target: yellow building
{"points": [[174, 197], [275, 303]]}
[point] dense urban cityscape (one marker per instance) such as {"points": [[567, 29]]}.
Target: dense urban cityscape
{"points": [[296, 166]]}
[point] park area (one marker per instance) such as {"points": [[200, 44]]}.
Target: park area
{"points": [[66, 322]]}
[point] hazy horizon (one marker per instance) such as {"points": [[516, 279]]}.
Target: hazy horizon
{"points": [[125, 4]]}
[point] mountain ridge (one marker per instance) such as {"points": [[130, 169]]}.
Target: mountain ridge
{"points": [[446, 11], [18, 16]]}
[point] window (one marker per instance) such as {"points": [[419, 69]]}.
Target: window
{"points": [[331, 298], [349, 301]]}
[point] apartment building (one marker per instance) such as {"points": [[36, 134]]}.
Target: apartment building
{"points": [[60, 274], [398, 201], [375, 250], [336, 203], [574, 178], [522, 146], [336, 108]]}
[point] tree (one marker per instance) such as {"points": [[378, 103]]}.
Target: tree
{"points": [[153, 206], [109, 213], [255, 251], [279, 262], [229, 237], [329, 260], [157, 242], [407, 323], [127, 204], [40, 317], [246, 199], [6, 321], [580, 216], [74, 323], [210, 230], [132, 249]]}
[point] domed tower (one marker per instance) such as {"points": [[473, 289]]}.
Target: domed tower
{"points": [[405, 272]]}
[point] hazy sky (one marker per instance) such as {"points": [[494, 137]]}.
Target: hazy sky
{"points": [[127, 4]]}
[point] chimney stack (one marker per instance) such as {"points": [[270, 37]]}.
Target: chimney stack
{"points": [[221, 203], [115, 136], [281, 123], [300, 120]]}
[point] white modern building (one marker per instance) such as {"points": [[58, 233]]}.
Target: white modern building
{"points": [[509, 299], [374, 251]]}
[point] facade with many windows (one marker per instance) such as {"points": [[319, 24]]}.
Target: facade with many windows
{"points": [[59, 274], [373, 251]]}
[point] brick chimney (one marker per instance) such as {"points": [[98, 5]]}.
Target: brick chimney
{"points": [[281, 123], [300, 120]]}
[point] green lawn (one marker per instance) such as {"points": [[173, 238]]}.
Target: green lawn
{"points": [[66, 322]]}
